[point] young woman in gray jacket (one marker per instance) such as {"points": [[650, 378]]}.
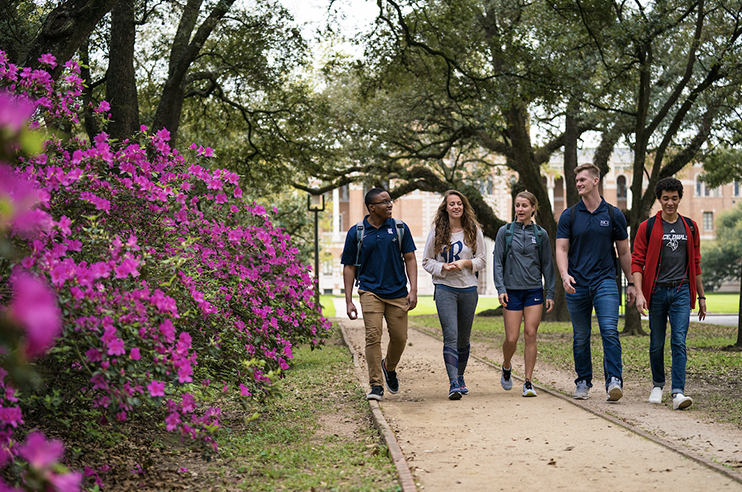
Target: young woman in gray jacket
{"points": [[453, 253], [522, 258]]}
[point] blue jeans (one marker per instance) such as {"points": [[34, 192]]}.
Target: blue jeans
{"points": [[602, 296], [672, 303]]}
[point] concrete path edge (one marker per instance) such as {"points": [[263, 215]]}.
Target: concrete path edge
{"points": [[400, 463]]}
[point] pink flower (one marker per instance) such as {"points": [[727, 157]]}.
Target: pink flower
{"points": [[34, 307], [116, 347], [103, 107], [48, 59], [134, 354], [41, 453], [14, 112], [172, 421], [156, 388], [168, 330]]}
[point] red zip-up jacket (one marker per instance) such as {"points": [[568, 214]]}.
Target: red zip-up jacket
{"points": [[646, 258]]}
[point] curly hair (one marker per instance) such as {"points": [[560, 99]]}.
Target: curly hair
{"points": [[443, 226], [668, 184]]}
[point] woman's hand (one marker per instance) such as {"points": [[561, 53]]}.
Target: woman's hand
{"points": [[503, 299]]}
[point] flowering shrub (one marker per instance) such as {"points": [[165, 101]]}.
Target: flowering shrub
{"points": [[166, 278]]}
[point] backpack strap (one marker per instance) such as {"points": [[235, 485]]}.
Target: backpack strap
{"points": [[400, 234], [690, 224], [509, 229], [538, 232], [650, 225], [359, 239]]}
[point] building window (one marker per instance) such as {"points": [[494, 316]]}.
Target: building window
{"points": [[621, 191], [699, 187], [327, 267], [735, 187], [708, 221]]}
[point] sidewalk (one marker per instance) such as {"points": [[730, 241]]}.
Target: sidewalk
{"points": [[494, 439]]}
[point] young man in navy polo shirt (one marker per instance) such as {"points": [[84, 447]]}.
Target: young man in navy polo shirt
{"points": [[382, 287], [584, 254]]}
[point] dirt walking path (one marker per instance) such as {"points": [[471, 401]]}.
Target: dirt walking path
{"points": [[494, 439]]}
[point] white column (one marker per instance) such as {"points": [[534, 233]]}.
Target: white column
{"points": [[336, 215]]}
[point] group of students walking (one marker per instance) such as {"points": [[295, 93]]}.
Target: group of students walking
{"points": [[664, 272]]}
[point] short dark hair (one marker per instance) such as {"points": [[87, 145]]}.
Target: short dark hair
{"points": [[668, 184], [373, 193]]}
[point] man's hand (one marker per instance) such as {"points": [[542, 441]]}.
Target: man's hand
{"points": [[411, 301], [641, 304], [350, 308], [631, 295], [549, 305], [701, 309], [568, 282], [503, 299]]}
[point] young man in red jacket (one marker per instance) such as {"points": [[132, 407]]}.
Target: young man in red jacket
{"points": [[666, 266]]}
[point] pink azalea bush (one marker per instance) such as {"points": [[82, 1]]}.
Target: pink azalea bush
{"points": [[143, 274]]}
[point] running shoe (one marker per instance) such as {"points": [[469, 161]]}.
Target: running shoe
{"points": [[582, 392], [392, 383], [614, 389], [462, 386], [528, 389], [454, 392], [506, 380]]}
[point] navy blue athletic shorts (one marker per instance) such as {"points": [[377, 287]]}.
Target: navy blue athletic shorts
{"points": [[518, 299]]}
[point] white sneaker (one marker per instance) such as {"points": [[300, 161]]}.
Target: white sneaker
{"points": [[656, 395], [680, 401]]}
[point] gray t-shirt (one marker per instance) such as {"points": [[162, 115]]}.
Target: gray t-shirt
{"points": [[674, 259]]}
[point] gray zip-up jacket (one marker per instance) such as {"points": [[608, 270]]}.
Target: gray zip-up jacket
{"points": [[521, 269]]}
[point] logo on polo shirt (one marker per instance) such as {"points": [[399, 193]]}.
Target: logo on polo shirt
{"points": [[390, 231], [605, 223], [533, 240]]}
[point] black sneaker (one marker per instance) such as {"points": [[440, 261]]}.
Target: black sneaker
{"points": [[392, 383], [377, 393]]}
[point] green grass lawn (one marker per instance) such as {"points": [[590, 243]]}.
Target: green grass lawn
{"points": [[726, 302], [302, 439], [425, 305]]}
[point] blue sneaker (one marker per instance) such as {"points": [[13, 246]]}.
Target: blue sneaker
{"points": [[462, 386], [505, 380], [454, 393]]}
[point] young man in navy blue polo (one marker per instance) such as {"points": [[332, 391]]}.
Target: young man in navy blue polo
{"points": [[584, 254], [385, 266]]}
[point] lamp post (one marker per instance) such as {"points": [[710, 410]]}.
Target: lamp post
{"points": [[316, 204]]}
